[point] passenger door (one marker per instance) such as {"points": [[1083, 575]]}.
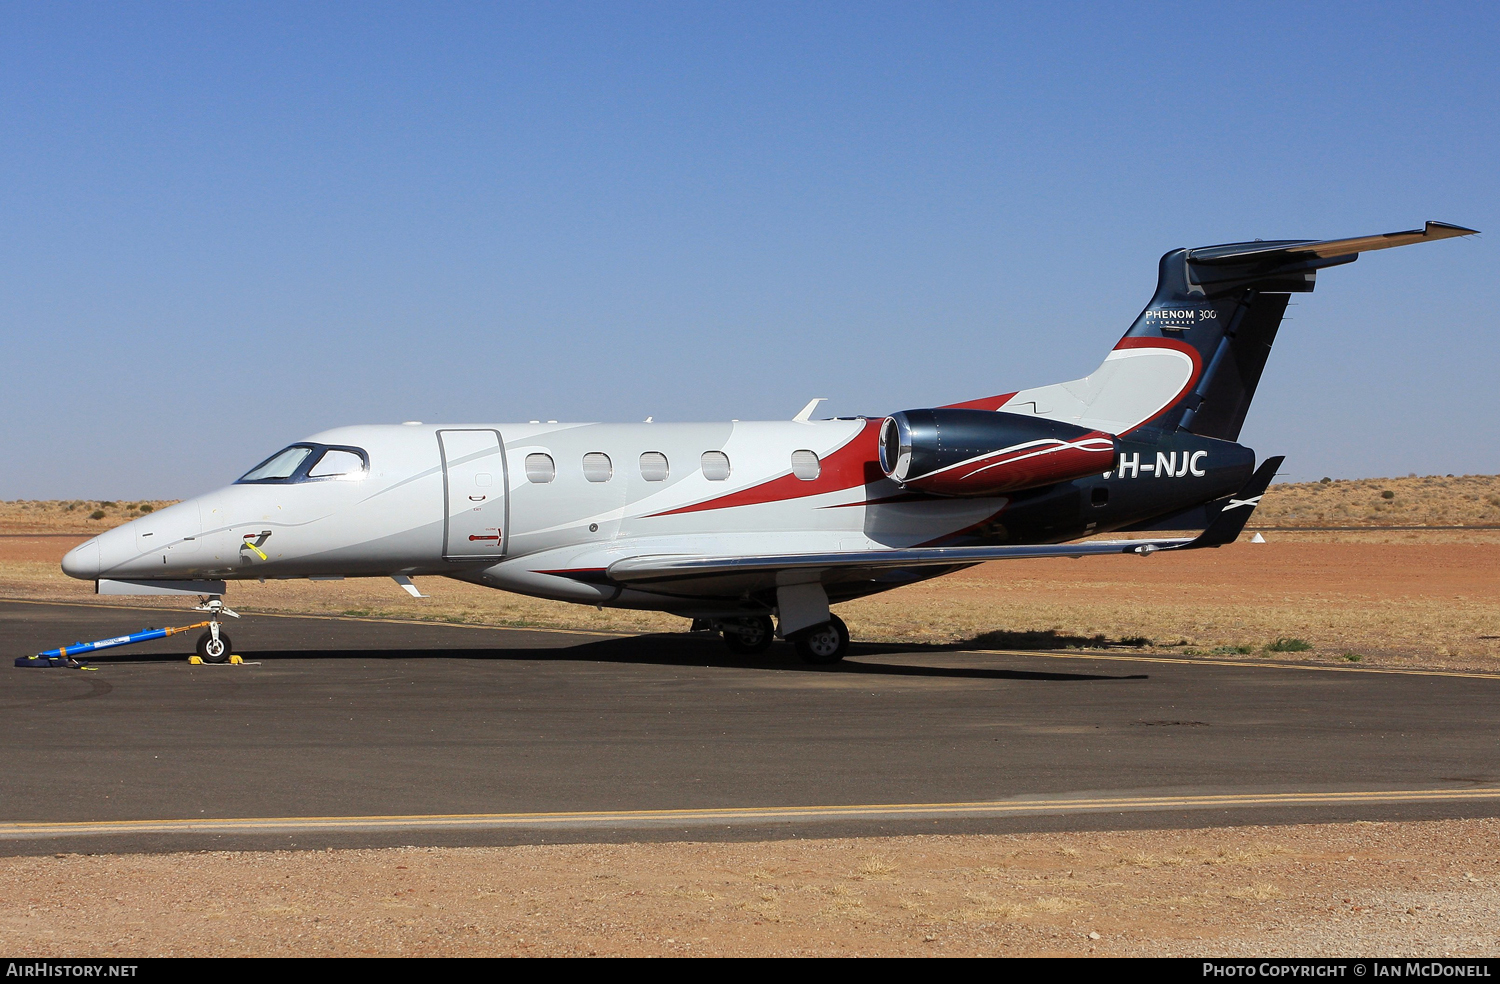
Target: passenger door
{"points": [[474, 484]]}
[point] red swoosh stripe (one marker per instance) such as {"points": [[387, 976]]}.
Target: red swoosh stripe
{"points": [[856, 463]]}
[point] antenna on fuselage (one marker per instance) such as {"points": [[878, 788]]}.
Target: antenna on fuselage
{"points": [[805, 414]]}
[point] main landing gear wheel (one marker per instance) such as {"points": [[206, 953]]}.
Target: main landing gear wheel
{"points": [[821, 644], [213, 650], [748, 636]]}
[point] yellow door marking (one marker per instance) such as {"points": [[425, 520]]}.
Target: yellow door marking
{"points": [[1044, 805]]}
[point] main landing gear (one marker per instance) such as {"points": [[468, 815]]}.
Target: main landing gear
{"points": [[751, 635], [823, 644], [748, 636], [214, 645]]}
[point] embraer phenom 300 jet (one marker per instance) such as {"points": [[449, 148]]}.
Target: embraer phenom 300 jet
{"points": [[734, 524]]}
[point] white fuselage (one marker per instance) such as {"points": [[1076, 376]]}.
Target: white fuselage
{"points": [[533, 508]]}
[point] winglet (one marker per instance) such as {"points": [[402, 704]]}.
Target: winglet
{"points": [[1228, 525]]}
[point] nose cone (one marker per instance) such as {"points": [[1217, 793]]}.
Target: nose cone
{"points": [[83, 561]]}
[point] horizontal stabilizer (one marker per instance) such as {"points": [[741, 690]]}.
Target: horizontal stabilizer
{"points": [[1294, 249]]}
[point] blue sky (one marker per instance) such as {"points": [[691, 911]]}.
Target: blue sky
{"points": [[227, 226]]}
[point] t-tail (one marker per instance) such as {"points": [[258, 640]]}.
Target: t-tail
{"points": [[1193, 358]]}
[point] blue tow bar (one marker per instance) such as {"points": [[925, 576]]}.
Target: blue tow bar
{"points": [[68, 655]]}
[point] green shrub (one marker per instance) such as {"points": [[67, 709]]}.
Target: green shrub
{"points": [[147, 507], [97, 514], [1232, 650], [1353, 657], [1388, 494], [1286, 645]]}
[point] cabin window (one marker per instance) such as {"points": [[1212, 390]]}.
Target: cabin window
{"points": [[597, 467], [654, 466], [338, 463], [806, 466], [715, 466], [540, 468]]}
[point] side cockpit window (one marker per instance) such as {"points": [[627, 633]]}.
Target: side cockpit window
{"points": [[309, 463], [338, 463]]}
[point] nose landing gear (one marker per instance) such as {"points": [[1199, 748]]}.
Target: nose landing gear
{"points": [[214, 645]]}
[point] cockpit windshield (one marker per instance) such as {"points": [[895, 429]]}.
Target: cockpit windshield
{"points": [[309, 463]]}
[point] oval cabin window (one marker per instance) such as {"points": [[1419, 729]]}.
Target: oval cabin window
{"points": [[597, 467], [654, 466], [806, 466], [715, 466], [540, 468]]}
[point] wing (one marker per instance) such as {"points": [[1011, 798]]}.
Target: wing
{"points": [[691, 574]]}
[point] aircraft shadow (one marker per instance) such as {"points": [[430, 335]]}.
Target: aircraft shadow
{"points": [[678, 649]]}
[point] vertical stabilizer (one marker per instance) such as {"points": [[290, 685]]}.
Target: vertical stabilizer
{"points": [[1194, 357]]}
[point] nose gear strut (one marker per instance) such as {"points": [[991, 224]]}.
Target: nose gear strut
{"points": [[214, 645]]}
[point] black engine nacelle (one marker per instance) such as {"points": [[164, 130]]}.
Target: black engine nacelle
{"points": [[987, 452]]}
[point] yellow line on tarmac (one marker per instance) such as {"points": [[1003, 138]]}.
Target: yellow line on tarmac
{"points": [[638, 818], [1250, 664]]}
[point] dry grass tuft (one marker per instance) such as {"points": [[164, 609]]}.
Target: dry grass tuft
{"points": [[877, 867], [1259, 892]]}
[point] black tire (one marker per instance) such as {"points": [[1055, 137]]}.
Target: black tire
{"points": [[214, 652], [749, 636], [823, 644]]}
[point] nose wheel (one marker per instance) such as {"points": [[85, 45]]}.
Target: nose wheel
{"points": [[214, 649], [214, 645]]}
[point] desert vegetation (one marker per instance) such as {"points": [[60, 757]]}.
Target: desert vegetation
{"points": [[1429, 500], [83, 516]]}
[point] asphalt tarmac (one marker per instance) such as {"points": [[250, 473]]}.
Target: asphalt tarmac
{"points": [[349, 732]]}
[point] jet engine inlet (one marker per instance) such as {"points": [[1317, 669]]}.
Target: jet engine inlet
{"points": [[984, 452]]}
